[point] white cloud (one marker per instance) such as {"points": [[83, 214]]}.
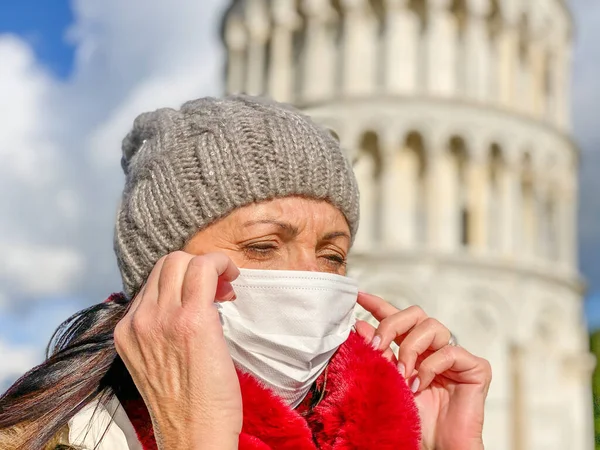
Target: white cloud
{"points": [[30, 175], [60, 141], [23, 89], [41, 270], [15, 362]]}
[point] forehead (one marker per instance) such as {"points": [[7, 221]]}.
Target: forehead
{"points": [[295, 210]]}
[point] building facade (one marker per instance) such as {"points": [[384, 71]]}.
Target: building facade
{"points": [[455, 114]]}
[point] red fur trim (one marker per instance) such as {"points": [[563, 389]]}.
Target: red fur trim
{"points": [[138, 414], [367, 405], [115, 297], [269, 419]]}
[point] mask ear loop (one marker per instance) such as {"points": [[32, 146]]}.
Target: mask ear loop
{"points": [[322, 396], [318, 394]]}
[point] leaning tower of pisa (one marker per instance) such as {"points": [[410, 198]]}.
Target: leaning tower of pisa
{"points": [[456, 116]]}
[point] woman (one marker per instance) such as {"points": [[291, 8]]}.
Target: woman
{"points": [[232, 238]]}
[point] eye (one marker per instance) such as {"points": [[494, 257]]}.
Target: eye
{"points": [[260, 250], [335, 259]]}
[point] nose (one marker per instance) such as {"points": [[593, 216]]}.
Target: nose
{"points": [[304, 260]]}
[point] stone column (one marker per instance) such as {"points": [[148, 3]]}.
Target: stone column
{"points": [[524, 81], [578, 396], [567, 212], [402, 191], [257, 19], [364, 169], [537, 92], [478, 196], [402, 34], [478, 51], [443, 205], [441, 47], [563, 62], [396, 192], [319, 58], [360, 48], [235, 39], [549, 85], [510, 203], [508, 48], [281, 69], [529, 220]]}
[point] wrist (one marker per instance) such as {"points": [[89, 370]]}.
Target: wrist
{"points": [[177, 434], [215, 440]]}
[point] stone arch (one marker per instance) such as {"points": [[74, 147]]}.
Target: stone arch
{"points": [[548, 325], [545, 349], [482, 324], [482, 319], [368, 167]]}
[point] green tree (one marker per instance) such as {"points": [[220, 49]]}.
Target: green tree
{"points": [[595, 348]]}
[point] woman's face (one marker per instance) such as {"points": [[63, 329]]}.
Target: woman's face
{"points": [[291, 233]]}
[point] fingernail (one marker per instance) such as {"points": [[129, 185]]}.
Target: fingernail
{"points": [[415, 385], [375, 342], [402, 370]]}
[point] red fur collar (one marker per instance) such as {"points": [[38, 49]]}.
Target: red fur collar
{"points": [[367, 405]]}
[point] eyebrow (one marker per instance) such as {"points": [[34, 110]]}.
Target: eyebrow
{"points": [[287, 228], [334, 235], [291, 230]]}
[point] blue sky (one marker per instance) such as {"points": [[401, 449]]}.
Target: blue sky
{"points": [[76, 73], [42, 23]]}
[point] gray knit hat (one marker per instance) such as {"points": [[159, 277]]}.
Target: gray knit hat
{"points": [[186, 169]]}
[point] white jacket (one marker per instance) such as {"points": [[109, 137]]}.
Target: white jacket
{"points": [[87, 429]]}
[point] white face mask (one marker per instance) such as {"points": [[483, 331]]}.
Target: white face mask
{"points": [[285, 326]]}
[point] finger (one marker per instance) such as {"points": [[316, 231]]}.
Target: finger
{"points": [[367, 331], [224, 291], [393, 327], [149, 292], [454, 363], [427, 335], [170, 279], [378, 307], [201, 279], [390, 356]]}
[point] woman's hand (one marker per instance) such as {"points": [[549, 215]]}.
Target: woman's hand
{"points": [[172, 343], [450, 384]]}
